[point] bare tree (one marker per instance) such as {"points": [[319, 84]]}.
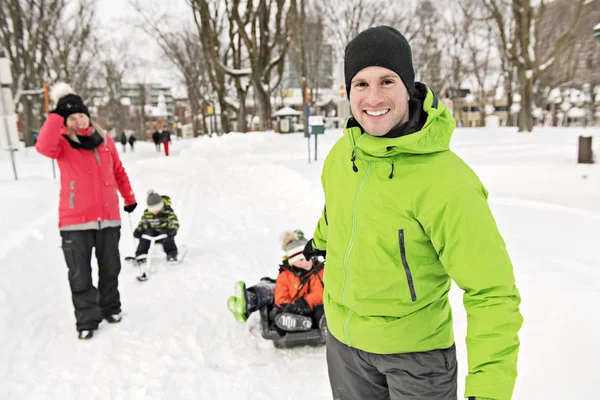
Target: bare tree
{"points": [[263, 32], [211, 20], [523, 47], [479, 47], [140, 110], [114, 67], [183, 49], [456, 28], [241, 81], [580, 62], [307, 28], [298, 29], [74, 45], [425, 44], [347, 18], [25, 34]]}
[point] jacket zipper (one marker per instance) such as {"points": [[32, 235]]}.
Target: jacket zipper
{"points": [[409, 277], [72, 195], [349, 248]]}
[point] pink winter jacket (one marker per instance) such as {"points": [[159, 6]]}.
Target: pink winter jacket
{"points": [[89, 179]]}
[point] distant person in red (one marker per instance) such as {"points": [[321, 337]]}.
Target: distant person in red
{"points": [[91, 173], [165, 137]]}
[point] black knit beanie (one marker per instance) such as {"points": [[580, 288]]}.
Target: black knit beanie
{"points": [[71, 104], [381, 46]]}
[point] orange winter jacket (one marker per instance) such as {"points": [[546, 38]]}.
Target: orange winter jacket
{"points": [[290, 287]]}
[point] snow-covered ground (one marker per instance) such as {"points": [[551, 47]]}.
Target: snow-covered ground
{"points": [[234, 196]]}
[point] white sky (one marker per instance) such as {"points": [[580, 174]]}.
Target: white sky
{"points": [[234, 196]]}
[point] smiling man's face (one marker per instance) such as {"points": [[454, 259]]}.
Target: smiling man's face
{"points": [[378, 100]]}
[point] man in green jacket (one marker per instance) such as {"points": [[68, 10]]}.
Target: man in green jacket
{"points": [[403, 217]]}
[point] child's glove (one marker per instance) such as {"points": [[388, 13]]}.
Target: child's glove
{"points": [[289, 308], [302, 306], [310, 252], [171, 232]]}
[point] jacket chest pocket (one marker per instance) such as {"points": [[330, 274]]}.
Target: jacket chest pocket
{"points": [[407, 271]]}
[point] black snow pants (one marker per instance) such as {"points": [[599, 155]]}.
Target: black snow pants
{"points": [[91, 304], [358, 375], [168, 243]]}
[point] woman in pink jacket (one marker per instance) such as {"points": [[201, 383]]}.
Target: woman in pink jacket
{"points": [[89, 217]]}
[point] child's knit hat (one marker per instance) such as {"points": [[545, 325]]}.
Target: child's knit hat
{"points": [[154, 201], [293, 244]]}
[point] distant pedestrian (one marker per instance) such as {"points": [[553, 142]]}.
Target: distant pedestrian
{"points": [[156, 140], [132, 141], [123, 140]]}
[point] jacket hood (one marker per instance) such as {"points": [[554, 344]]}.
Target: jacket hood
{"points": [[433, 137]]}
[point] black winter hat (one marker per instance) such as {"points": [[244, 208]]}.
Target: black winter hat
{"points": [[381, 46], [71, 104]]}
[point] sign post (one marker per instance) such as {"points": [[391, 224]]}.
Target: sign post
{"points": [[317, 127]]}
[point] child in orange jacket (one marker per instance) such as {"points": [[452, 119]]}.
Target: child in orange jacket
{"points": [[299, 286], [297, 294]]}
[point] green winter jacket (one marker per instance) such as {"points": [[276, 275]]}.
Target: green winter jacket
{"points": [[397, 228]]}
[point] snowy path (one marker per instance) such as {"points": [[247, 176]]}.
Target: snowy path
{"points": [[234, 196]]}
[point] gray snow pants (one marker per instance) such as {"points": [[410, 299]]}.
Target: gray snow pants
{"points": [[357, 375]]}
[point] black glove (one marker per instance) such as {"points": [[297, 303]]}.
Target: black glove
{"points": [[130, 207], [171, 232], [137, 234], [310, 252], [289, 308], [302, 306]]}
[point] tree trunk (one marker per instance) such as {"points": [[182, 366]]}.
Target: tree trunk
{"points": [[242, 123], [526, 112], [509, 97], [456, 104], [205, 129], [195, 109], [482, 104], [225, 125], [264, 107]]}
